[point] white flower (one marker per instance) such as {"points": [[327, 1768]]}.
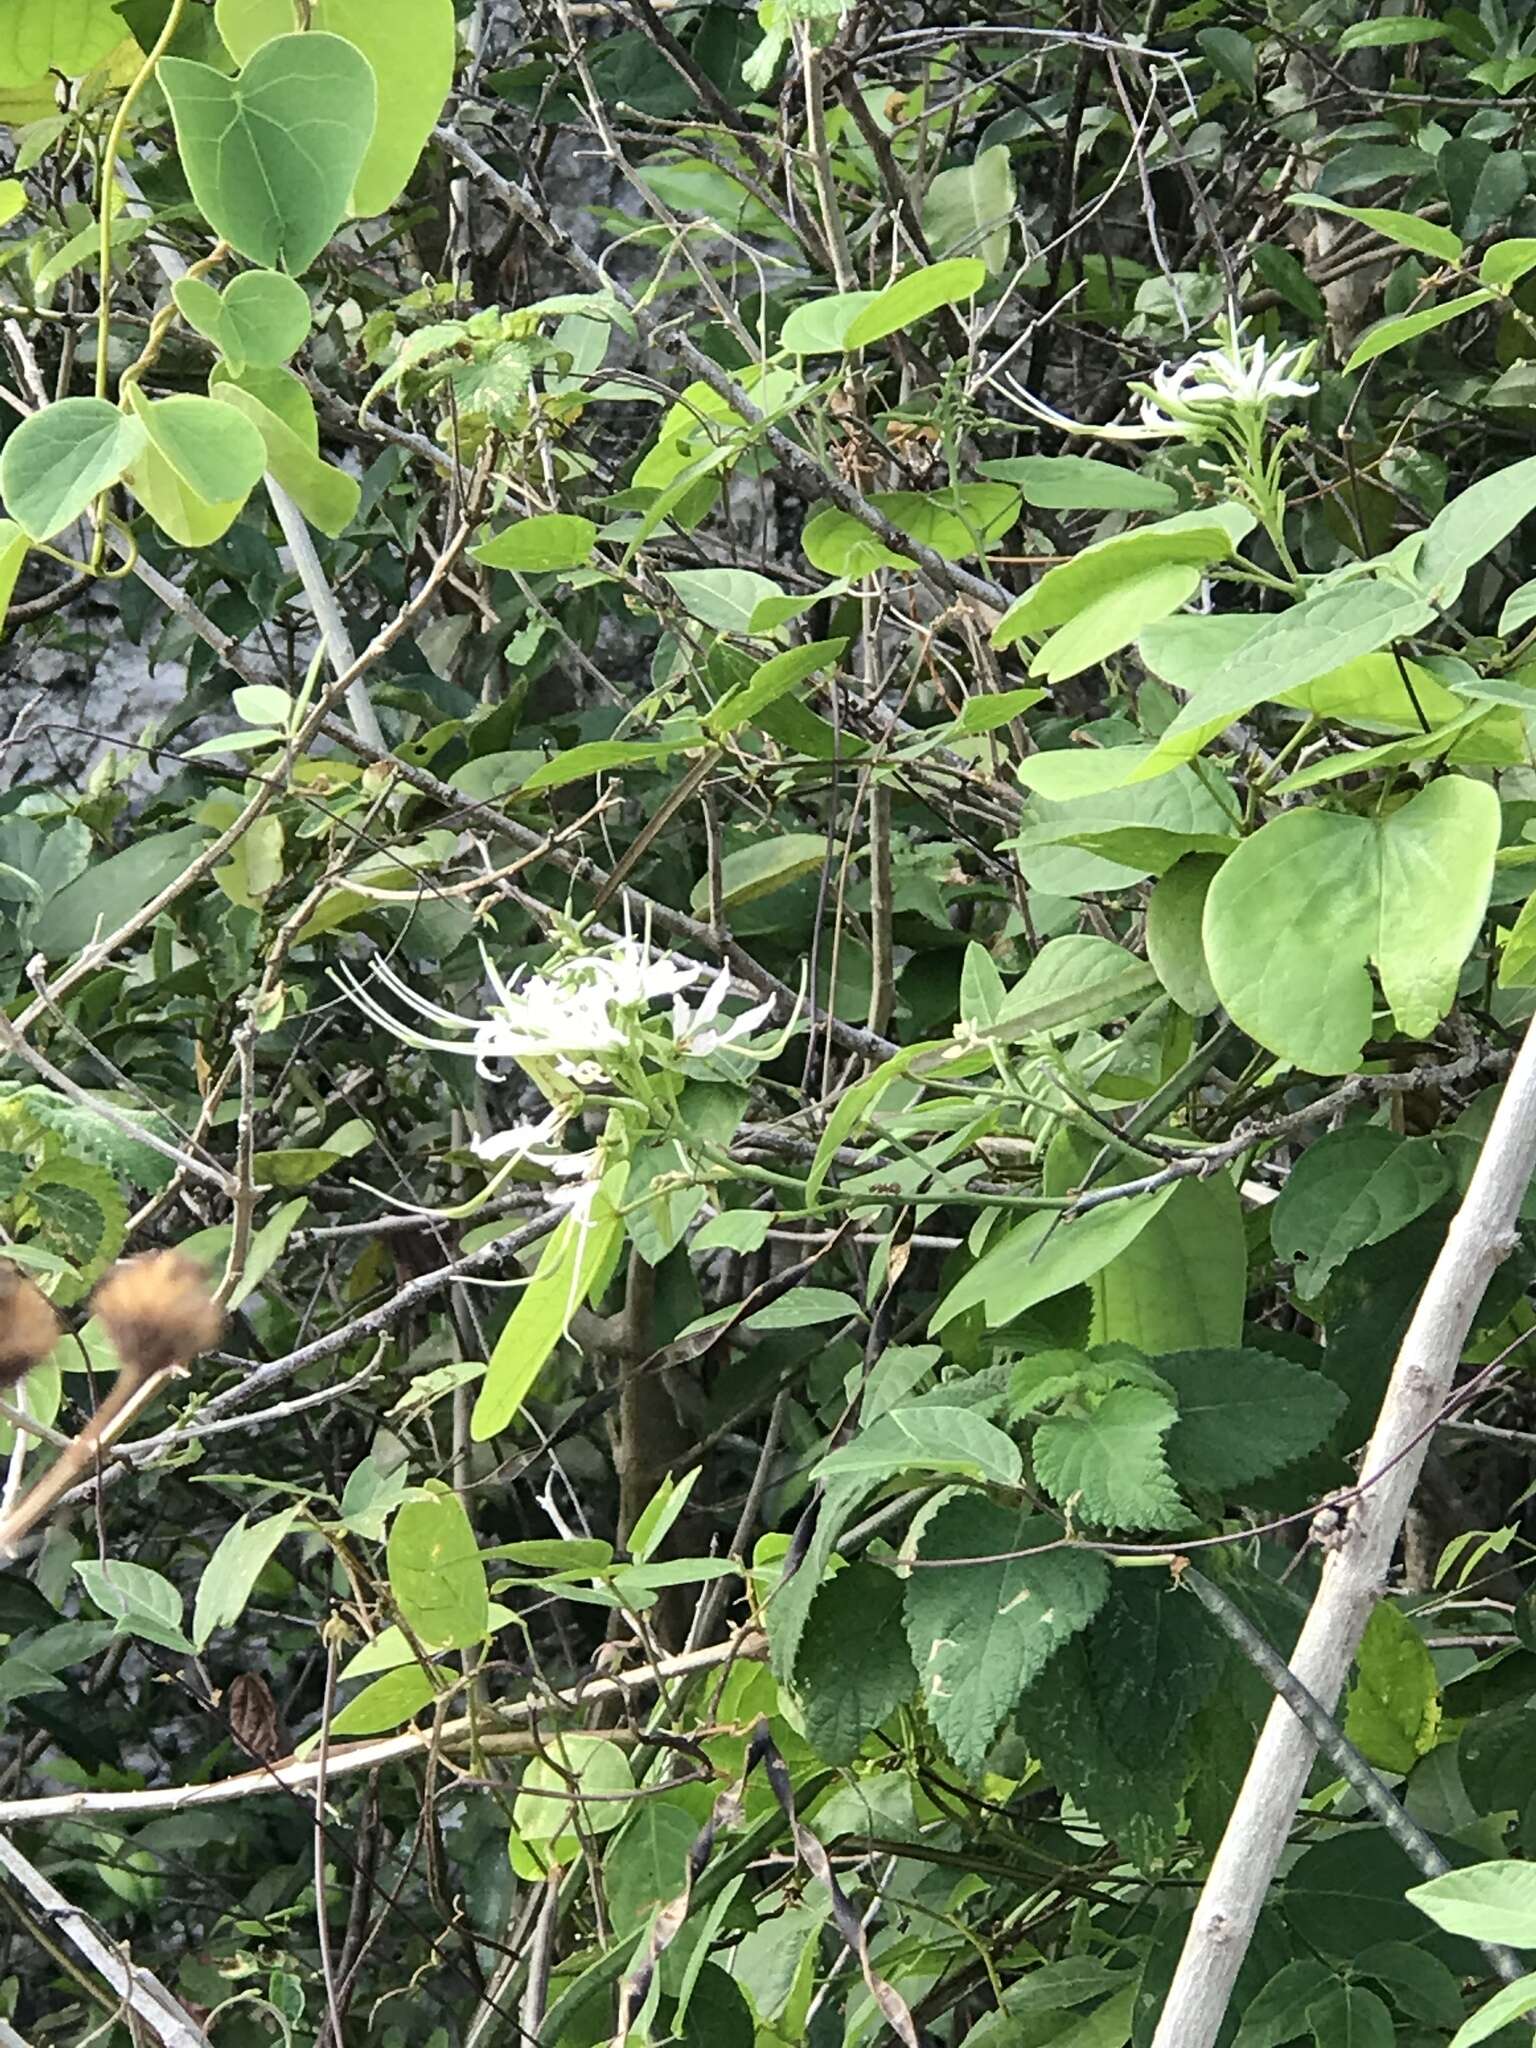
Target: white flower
{"points": [[531, 1141], [696, 1031], [1226, 373], [1233, 374]]}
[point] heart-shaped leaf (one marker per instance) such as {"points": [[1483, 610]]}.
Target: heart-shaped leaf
{"points": [[39, 36], [409, 43], [259, 319], [271, 155], [60, 459], [211, 446]]}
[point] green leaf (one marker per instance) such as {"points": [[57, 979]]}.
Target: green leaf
{"points": [[140, 1601], [1406, 229], [767, 864], [1507, 262], [1175, 941], [1390, 29], [820, 327], [298, 1165], [1353, 1187], [1420, 1984], [1088, 1725], [572, 1262], [1298, 914], [1349, 2016], [1483, 184], [1130, 832], [1044, 1256], [927, 1438], [723, 598], [1282, 654], [69, 36], [968, 211], [580, 1780], [803, 1309], [1069, 483], [853, 1668], [212, 446], [13, 552], [389, 1702], [981, 1633], [230, 1575], [271, 155], [266, 1248], [1392, 333], [261, 317], [1512, 2003], [1392, 1714], [410, 46], [551, 540], [839, 545], [1103, 1462], [1243, 1415], [1113, 620], [58, 461], [436, 1577], [1191, 539], [1180, 1284], [734, 1230], [1472, 526], [914, 297], [1486, 1901], [77, 1210], [659, 1515], [768, 682], [597, 757], [328, 497], [1231, 53]]}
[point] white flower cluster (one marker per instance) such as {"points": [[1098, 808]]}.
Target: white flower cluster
{"points": [[1183, 398], [573, 1023], [1230, 375]]}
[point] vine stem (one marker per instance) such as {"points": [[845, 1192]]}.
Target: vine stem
{"points": [[109, 177], [1481, 1236]]}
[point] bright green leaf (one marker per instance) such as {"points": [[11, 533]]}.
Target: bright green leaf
{"points": [[271, 155], [436, 1576], [58, 461], [1297, 915]]}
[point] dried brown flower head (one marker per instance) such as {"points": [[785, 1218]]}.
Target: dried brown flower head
{"points": [[29, 1328], [158, 1310]]}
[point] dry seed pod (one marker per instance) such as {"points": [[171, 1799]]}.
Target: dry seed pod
{"points": [[29, 1328], [158, 1311]]}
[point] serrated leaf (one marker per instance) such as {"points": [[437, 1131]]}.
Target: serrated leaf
{"points": [[1243, 1415], [853, 1667], [1354, 1187], [77, 1211], [1104, 1462], [980, 1633], [1067, 1727]]}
